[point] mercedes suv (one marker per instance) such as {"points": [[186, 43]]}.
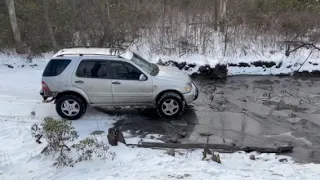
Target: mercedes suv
{"points": [[75, 78]]}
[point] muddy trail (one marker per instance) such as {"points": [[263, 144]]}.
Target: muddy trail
{"points": [[242, 110]]}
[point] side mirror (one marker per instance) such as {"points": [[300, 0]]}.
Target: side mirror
{"points": [[142, 77]]}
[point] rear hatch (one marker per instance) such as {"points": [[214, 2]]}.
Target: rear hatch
{"points": [[52, 76]]}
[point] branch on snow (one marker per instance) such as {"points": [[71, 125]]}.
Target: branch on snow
{"points": [[297, 45]]}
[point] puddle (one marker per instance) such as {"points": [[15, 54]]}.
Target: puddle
{"points": [[243, 110]]}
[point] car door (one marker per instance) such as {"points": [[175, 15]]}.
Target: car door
{"points": [[126, 86], [92, 77]]}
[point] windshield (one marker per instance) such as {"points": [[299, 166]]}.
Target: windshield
{"points": [[145, 65]]}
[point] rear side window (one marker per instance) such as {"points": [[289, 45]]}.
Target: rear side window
{"points": [[92, 69], [55, 67]]}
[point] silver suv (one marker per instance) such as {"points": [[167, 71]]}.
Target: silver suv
{"points": [[75, 78]]}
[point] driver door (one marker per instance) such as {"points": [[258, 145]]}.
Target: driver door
{"points": [[126, 86]]}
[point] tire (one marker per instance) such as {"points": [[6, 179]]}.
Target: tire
{"points": [[176, 105], [70, 107]]}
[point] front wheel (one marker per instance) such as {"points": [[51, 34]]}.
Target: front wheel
{"points": [[70, 107], [170, 105]]}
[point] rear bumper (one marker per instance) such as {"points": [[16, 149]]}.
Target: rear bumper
{"points": [[46, 95], [193, 95]]}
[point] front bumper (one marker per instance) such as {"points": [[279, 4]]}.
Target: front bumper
{"points": [[193, 95]]}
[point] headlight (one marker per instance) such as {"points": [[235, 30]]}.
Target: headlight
{"points": [[188, 87]]}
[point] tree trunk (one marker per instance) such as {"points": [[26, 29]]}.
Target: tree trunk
{"points": [[76, 34], [216, 14], [108, 11], [223, 11], [217, 147], [48, 23], [115, 136], [14, 26], [163, 23], [112, 137]]}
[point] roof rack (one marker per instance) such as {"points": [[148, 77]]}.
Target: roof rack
{"points": [[60, 55], [119, 52]]}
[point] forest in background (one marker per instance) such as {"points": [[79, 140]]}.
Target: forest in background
{"points": [[219, 27]]}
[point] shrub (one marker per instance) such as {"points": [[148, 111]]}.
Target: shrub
{"points": [[91, 147], [56, 132]]}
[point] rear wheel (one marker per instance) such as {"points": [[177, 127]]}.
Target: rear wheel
{"points": [[70, 107], [170, 105]]}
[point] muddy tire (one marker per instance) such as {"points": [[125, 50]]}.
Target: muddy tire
{"points": [[70, 107], [170, 105]]}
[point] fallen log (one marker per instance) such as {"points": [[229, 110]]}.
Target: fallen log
{"points": [[225, 147], [162, 148]]}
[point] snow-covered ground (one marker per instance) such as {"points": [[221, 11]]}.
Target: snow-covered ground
{"points": [[20, 156], [302, 60]]}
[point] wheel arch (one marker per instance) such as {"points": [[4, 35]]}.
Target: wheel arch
{"points": [[75, 93], [166, 91]]}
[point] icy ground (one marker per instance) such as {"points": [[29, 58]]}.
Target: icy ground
{"points": [[20, 155]]}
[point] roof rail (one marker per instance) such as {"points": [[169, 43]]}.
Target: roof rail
{"points": [[80, 54], [119, 52]]}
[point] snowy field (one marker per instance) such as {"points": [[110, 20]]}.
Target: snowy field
{"points": [[20, 156]]}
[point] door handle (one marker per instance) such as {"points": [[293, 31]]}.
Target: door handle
{"points": [[116, 82], [79, 81]]}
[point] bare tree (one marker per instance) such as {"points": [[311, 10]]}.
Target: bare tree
{"points": [[216, 14], [223, 12], [48, 23], [14, 26]]}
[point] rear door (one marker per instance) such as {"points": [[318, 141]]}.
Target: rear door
{"points": [[92, 77], [126, 86]]}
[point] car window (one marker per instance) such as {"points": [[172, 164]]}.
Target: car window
{"points": [[144, 64], [124, 70], [55, 67], [92, 69]]}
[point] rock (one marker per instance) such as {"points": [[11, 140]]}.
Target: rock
{"points": [[208, 155], [283, 160], [233, 144], [205, 134], [9, 66], [216, 158], [211, 98], [33, 113], [152, 137], [182, 135], [120, 137], [171, 152], [22, 66], [252, 157], [97, 132], [173, 139], [219, 92], [281, 105]]}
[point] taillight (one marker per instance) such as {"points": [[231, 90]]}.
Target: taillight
{"points": [[45, 87]]}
